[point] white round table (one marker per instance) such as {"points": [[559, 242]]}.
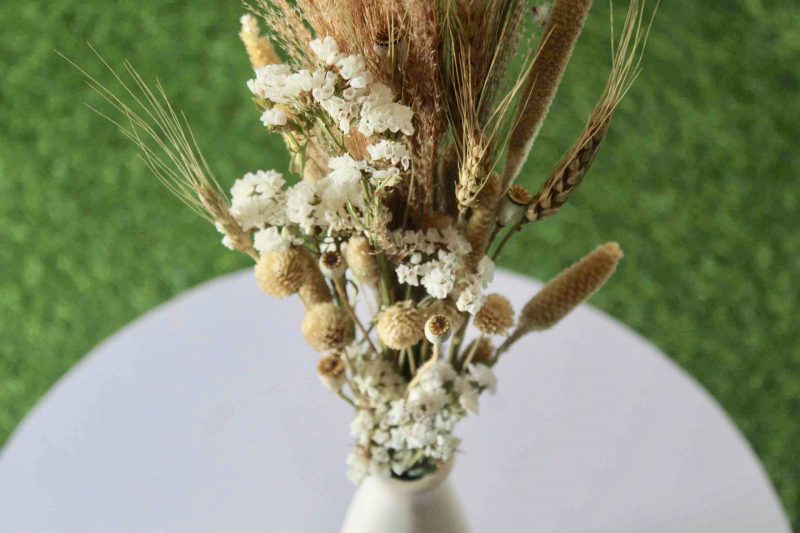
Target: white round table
{"points": [[206, 415]]}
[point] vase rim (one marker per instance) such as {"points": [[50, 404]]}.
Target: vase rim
{"points": [[422, 484]]}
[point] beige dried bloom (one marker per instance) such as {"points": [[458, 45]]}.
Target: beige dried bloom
{"points": [[259, 49], [281, 273], [496, 316], [401, 325], [361, 260], [570, 288], [315, 290], [326, 327], [331, 372]]}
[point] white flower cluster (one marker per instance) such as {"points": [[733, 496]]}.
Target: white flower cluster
{"points": [[342, 86], [258, 200], [323, 203], [436, 263], [471, 298], [398, 431]]}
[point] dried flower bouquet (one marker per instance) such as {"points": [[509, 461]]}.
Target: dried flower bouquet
{"points": [[407, 122]]}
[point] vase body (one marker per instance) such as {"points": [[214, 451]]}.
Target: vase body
{"points": [[388, 505]]}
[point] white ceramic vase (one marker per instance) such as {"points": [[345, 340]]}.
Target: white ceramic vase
{"points": [[389, 505]]}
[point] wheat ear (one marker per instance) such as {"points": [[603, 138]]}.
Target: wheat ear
{"points": [[566, 291], [626, 58], [560, 35], [168, 149]]}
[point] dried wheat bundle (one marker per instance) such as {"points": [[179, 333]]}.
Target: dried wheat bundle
{"points": [[397, 116]]}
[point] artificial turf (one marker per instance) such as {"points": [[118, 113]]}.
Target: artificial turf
{"points": [[697, 181]]}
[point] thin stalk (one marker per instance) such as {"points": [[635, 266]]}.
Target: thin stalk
{"points": [[468, 359], [346, 303], [412, 364], [511, 231], [346, 398]]}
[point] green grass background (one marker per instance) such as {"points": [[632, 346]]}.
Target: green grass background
{"points": [[698, 181]]}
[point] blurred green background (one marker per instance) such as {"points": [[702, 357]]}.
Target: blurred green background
{"points": [[697, 181]]}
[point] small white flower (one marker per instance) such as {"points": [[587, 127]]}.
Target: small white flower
{"points": [[483, 376], [258, 199], [469, 400], [485, 271], [471, 298], [394, 152], [325, 49], [385, 178], [274, 240], [226, 239], [273, 117], [301, 204], [438, 282]]}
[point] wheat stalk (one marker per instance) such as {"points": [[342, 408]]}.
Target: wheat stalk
{"points": [[626, 58], [168, 148]]}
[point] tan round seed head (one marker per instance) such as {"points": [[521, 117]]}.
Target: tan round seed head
{"points": [[315, 290], [331, 371], [326, 327], [484, 351], [438, 329], [283, 272], [331, 264], [496, 315], [519, 195], [361, 260], [401, 325], [446, 308]]}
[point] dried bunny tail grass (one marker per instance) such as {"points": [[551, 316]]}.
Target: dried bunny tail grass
{"points": [[626, 58], [168, 148], [327, 327], [281, 273], [496, 315], [566, 291], [563, 28], [287, 27], [259, 49]]}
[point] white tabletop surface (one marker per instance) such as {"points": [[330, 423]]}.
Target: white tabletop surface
{"points": [[206, 415]]}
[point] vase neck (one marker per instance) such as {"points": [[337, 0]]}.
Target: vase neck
{"points": [[416, 486]]}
